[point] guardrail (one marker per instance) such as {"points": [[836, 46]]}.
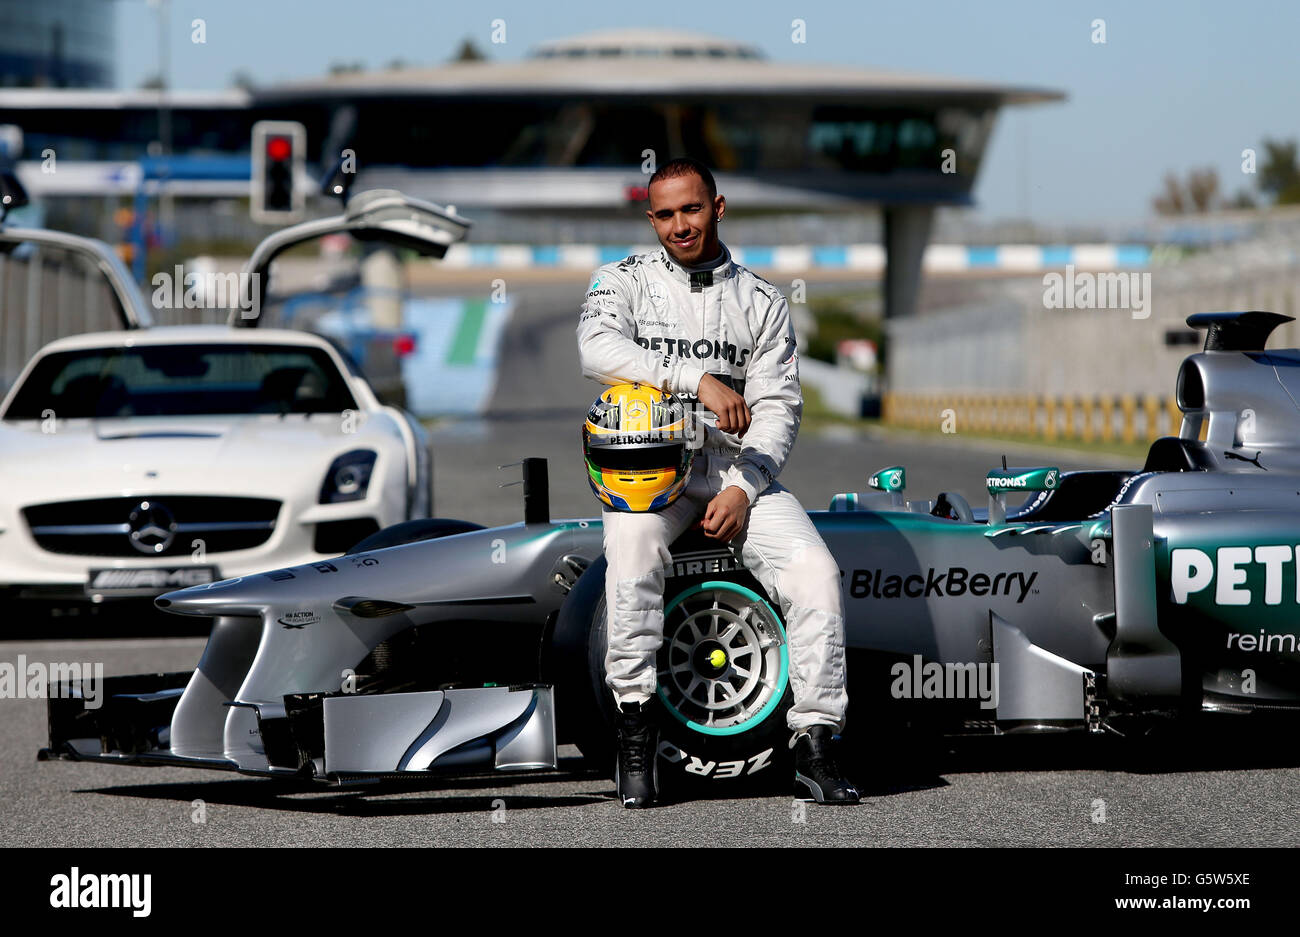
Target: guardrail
{"points": [[1126, 418], [44, 295]]}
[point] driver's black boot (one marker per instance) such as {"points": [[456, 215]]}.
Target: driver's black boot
{"points": [[636, 775], [815, 772]]}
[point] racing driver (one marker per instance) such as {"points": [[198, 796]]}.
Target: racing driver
{"points": [[688, 320]]}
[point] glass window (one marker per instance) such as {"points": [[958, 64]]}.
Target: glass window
{"points": [[182, 380]]}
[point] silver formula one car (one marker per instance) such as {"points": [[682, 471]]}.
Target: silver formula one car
{"points": [[1106, 601]]}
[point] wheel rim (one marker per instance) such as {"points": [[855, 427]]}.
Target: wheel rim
{"points": [[724, 664]]}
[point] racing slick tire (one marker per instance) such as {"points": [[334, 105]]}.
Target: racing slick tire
{"points": [[429, 528], [724, 686]]}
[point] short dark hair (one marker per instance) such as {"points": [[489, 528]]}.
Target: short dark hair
{"points": [[685, 166]]}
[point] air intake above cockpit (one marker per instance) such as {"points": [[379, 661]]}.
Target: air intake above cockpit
{"points": [[1237, 331]]}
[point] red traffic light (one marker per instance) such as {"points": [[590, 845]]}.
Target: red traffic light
{"points": [[404, 345], [277, 151], [278, 148]]}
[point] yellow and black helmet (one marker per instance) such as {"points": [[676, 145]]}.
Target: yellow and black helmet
{"points": [[635, 444]]}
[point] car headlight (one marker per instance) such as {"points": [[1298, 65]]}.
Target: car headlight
{"points": [[348, 477]]}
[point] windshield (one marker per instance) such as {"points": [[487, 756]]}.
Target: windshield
{"points": [[182, 380]]}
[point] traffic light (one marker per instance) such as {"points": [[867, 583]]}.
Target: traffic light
{"points": [[278, 157]]}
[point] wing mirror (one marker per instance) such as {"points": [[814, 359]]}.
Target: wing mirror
{"points": [[892, 480], [1000, 482]]}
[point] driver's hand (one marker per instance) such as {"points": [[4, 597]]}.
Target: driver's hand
{"points": [[733, 413], [725, 516]]}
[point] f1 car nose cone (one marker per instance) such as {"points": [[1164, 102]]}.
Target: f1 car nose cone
{"points": [[231, 596]]}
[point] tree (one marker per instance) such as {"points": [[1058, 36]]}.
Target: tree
{"points": [[1199, 192], [1242, 201], [1279, 172], [1172, 201], [468, 52], [1203, 189]]}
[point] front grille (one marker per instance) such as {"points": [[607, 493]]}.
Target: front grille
{"points": [[164, 525], [341, 536]]}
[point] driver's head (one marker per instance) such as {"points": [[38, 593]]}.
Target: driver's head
{"points": [[684, 209]]}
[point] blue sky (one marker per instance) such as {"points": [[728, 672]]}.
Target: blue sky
{"points": [[1177, 85]]}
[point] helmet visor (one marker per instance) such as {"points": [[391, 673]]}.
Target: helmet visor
{"points": [[635, 458]]}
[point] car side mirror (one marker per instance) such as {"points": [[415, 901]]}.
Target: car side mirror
{"points": [[1001, 481], [892, 480]]}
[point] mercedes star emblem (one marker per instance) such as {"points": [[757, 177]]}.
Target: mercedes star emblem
{"points": [[152, 527]]}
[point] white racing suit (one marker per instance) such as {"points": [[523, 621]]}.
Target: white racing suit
{"points": [[648, 319]]}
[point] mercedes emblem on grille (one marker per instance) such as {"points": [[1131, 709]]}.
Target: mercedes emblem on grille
{"points": [[152, 527]]}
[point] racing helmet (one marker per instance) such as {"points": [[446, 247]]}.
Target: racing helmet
{"points": [[635, 442]]}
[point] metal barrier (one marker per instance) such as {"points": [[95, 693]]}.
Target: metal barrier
{"points": [[46, 295], [1125, 418]]}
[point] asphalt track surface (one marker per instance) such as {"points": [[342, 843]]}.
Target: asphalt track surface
{"points": [[1223, 790]]}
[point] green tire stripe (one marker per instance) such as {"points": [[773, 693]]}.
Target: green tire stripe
{"points": [[759, 717]]}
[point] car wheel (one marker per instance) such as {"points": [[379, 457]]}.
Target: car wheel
{"points": [[724, 682], [429, 528]]}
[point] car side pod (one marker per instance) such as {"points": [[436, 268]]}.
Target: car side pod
{"points": [[1143, 667]]}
